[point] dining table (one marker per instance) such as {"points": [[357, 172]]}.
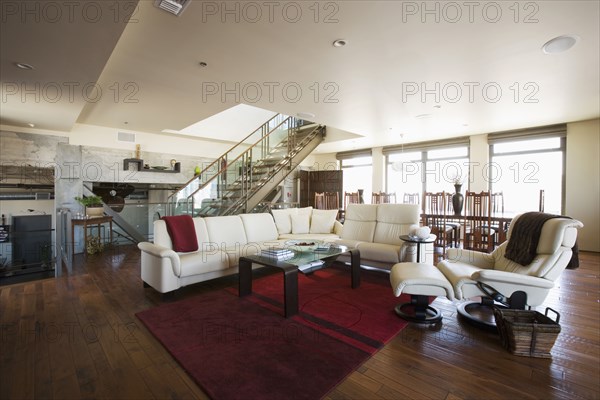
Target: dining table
{"points": [[501, 220]]}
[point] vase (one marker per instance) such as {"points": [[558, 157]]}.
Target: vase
{"points": [[361, 200], [457, 200]]}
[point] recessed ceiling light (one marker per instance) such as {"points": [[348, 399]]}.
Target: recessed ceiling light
{"points": [[559, 44], [339, 43], [202, 64], [23, 65]]}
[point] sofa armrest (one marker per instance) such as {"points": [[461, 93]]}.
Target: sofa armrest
{"points": [[474, 258], [162, 252], [519, 280], [338, 228]]}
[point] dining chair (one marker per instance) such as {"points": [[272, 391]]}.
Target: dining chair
{"points": [[497, 209], [320, 201], [454, 223], [351, 198], [435, 208], [390, 198], [332, 201], [376, 197], [383, 198], [411, 198], [478, 232]]}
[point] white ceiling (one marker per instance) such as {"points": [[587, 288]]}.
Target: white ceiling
{"points": [[151, 79]]}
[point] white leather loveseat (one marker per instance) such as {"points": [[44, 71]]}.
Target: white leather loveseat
{"points": [[373, 229]]}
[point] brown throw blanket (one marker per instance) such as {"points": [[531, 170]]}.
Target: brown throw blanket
{"points": [[525, 236]]}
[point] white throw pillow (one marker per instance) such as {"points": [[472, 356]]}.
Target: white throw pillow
{"points": [[283, 220], [323, 221], [300, 222]]}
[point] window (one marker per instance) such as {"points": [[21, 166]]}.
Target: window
{"points": [[429, 166], [358, 174], [404, 173], [522, 167]]}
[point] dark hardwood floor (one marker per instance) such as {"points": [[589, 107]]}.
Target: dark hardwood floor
{"points": [[77, 337]]}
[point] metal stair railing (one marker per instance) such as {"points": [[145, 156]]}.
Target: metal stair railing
{"points": [[227, 184], [181, 201]]}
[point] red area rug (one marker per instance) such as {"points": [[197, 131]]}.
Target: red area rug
{"points": [[243, 348]]}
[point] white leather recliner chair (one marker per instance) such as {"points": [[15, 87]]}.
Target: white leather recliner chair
{"points": [[465, 274]]}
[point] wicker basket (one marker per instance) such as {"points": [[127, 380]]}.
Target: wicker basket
{"points": [[527, 333]]}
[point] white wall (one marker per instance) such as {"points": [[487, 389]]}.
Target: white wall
{"points": [[583, 180], [98, 136], [378, 170], [479, 157]]}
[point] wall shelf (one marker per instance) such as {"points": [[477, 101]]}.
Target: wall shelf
{"points": [[140, 166]]}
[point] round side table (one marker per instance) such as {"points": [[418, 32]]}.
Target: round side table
{"points": [[419, 242]]}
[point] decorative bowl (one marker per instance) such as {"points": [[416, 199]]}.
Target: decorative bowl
{"points": [[419, 232], [302, 245]]}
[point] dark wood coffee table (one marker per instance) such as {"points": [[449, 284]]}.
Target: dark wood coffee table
{"points": [[289, 268]]}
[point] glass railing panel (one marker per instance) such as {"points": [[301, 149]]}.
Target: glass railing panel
{"points": [[133, 219]]}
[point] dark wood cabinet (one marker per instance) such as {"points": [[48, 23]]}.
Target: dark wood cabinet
{"points": [[312, 182]]}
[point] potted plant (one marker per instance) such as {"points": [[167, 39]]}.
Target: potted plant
{"points": [[93, 205]]}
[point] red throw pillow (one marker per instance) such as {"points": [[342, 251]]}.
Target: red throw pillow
{"points": [[182, 232]]}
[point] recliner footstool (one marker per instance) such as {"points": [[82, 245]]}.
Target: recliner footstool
{"points": [[420, 281]]}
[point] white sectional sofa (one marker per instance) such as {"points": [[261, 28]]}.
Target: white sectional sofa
{"points": [[373, 229]]}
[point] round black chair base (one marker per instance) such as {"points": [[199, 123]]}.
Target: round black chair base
{"points": [[421, 315], [480, 315]]}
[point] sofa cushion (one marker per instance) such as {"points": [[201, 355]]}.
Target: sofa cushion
{"points": [[226, 231], [382, 252], [328, 237], [182, 233], [202, 262], [394, 220], [301, 220], [283, 219], [162, 238], [322, 221], [259, 227], [360, 222]]}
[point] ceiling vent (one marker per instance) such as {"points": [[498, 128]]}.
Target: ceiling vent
{"points": [[126, 137], [175, 7]]}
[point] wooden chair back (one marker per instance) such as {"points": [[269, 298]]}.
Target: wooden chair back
{"points": [[435, 207], [327, 201], [477, 231], [411, 198], [498, 203], [351, 198], [383, 198]]}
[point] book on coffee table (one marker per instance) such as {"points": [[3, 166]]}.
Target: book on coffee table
{"points": [[278, 254], [310, 267]]}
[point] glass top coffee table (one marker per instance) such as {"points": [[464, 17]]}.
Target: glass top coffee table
{"points": [[289, 268]]}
